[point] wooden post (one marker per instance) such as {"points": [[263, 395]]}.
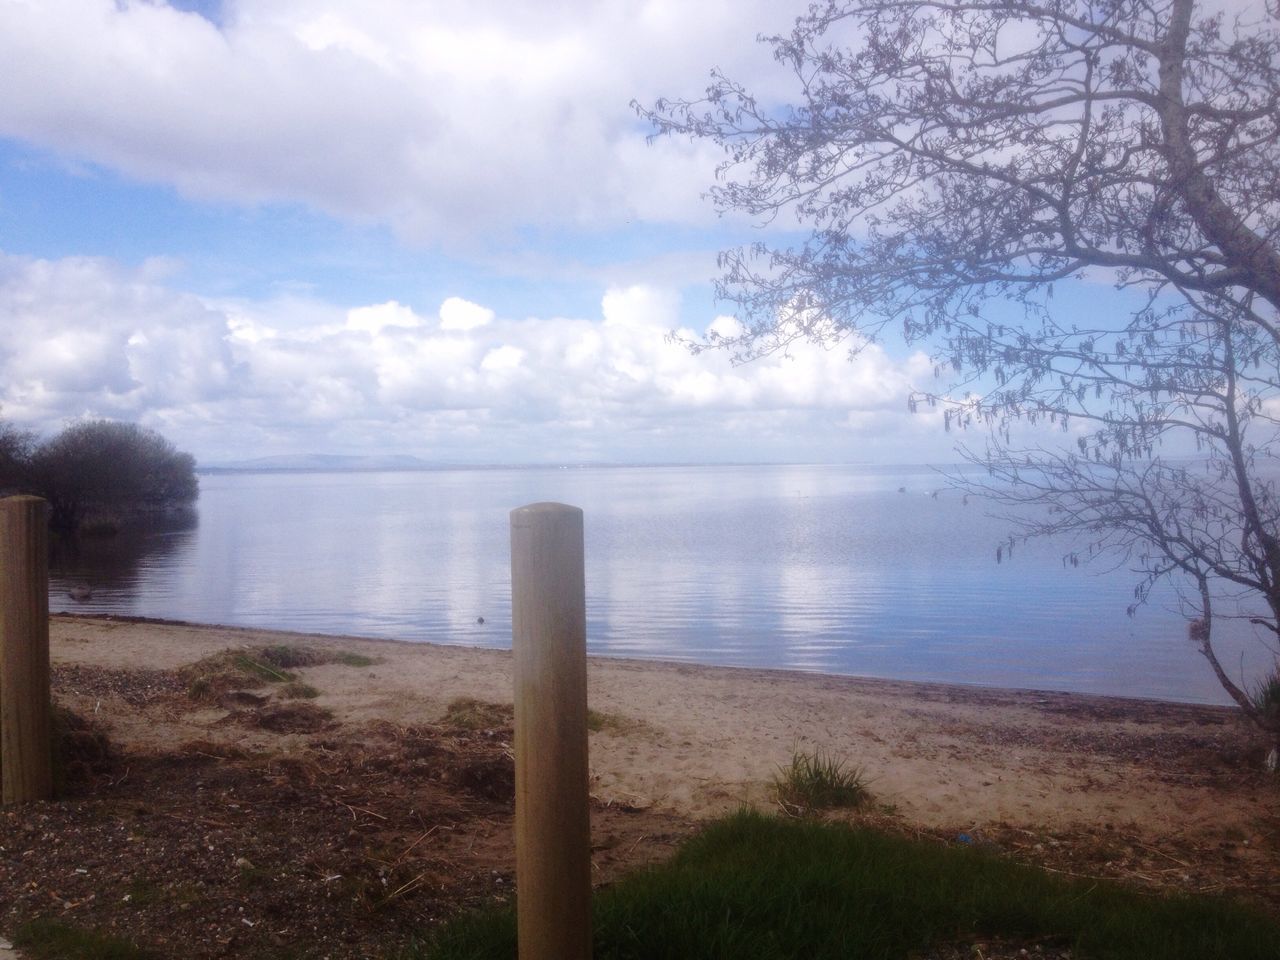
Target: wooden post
{"points": [[549, 640], [26, 762]]}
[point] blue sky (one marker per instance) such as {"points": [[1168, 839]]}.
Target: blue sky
{"points": [[277, 226]]}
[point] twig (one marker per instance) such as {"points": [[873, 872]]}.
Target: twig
{"points": [[204, 820], [353, 810], [416, 842], [404, 887], [1161, 853]]}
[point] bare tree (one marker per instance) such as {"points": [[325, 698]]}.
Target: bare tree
{"points": [[950, 162]]}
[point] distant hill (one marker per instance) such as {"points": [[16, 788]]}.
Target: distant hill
{"points": [[337, 463], [321, 463]]}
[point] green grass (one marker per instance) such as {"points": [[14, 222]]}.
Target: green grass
{"points": [[48, 939], [261, 668], [818, 781], [752, 887], [355, 660], [298, 691]]}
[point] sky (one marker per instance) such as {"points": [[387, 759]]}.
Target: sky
{"points": [[271, 227]]}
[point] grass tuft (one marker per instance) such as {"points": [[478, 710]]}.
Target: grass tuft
{"points": [[298, 691], [355, 660], [287, 656], [1266, 698], [468, 713], [818, 781], [238, 669], [261, 668]]}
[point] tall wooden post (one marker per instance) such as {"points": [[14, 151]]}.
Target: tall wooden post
{"points": [[26, 763], [549, 639]]}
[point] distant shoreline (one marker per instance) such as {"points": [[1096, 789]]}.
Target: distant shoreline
{"points": [[361, 465]]}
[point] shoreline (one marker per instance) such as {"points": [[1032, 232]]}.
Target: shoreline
{"points": [[705, 740], [958, 685]]}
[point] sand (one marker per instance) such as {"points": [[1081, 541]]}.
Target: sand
{"points": [[380, 790], [704, 740]]}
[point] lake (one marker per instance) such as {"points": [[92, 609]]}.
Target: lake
{"points": [[838, 569]]}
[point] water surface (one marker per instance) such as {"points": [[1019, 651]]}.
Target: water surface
{"points": [[817, 568]]}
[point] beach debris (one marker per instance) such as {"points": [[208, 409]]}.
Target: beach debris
{"points": [[964, 838], [241, 698], [287, 717], [237, 669], [83, 750], [468, 713], [480, 620], [490, 776]]}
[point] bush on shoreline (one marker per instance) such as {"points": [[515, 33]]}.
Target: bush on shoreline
{"points": [[98, 474]]}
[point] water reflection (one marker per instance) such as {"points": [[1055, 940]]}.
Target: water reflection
{"points": [[815, 568], [106, 573]]}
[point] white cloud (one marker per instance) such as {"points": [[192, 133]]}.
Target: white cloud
{"points": [[503, 359], [376, 318], [80, 336], [459, 314], [446, 120]]}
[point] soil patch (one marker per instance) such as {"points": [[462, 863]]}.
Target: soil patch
{"points": [[340, 840]]}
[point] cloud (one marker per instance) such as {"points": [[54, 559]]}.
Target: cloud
{"points": [[375, 319], [231, 379], [446, 120], [80, 335], [459, 314]]}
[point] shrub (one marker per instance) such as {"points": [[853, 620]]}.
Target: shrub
{"points": [[818, 781], [97, 470]]}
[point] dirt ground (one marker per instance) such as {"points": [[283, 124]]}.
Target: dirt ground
{"points": [[206, 817]]}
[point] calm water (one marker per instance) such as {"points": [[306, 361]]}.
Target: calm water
{"points": [[820, 568]]}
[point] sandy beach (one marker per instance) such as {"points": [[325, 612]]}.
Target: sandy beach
{"points": [[1155, 793], [709, 739]]}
